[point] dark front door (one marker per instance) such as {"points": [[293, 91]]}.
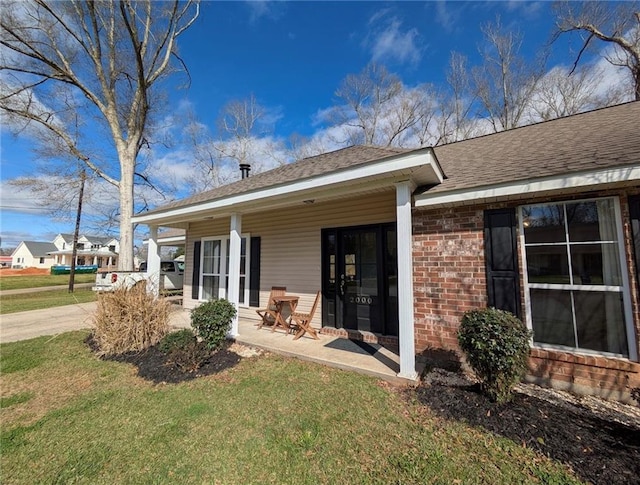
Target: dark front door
{"points": [[359, 279]]}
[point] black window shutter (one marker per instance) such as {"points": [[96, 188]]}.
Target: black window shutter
{"points": [[195, 276], [634, 212], [501, 258], [254, 273]]}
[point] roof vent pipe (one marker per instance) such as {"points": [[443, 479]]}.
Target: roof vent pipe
{"points": [[245, 168]]}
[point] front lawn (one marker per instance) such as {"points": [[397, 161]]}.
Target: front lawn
{"points": [[68, 417], [37, 281], [38, 300]]}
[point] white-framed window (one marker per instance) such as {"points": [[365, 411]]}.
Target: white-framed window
{"points": [[214, 272], [576, 281]]}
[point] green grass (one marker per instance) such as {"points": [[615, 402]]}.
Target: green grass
{"points": [[268, 420], [38, 281], [44, 299], [17, 398]]}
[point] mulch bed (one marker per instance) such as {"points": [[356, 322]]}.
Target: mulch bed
{"points": [[156, 366], [599, 448]]}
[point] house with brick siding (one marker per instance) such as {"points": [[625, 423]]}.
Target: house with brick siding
{"points": [[542, 221]]}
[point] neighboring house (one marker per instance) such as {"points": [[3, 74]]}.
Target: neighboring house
{"points": [[541, 220], [33, 254], [5, 261], [91, 250]]}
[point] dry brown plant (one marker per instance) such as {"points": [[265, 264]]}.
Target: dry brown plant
{"points": [[129, 321]]}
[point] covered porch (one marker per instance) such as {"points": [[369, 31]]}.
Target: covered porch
{"points": [[334, 223]]}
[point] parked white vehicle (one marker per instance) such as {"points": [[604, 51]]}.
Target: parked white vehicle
{"points": [[171, 277]]}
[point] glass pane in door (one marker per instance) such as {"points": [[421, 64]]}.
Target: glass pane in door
{"points": [[359, 281]]}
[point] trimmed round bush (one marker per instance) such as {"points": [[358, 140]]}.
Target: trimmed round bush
{"points": [[496, 345], [212, 321]]}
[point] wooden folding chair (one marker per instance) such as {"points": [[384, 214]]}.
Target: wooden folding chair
{"points": [[268, 314], [302, 321]]}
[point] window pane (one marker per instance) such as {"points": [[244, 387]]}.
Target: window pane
{"points": [[548, 264], [595, 264], [543, 223], [551, 317], [369, 279], [211, 260], [243, 256], [242, 286], [600, 321], [591, 221], [210, 287]]}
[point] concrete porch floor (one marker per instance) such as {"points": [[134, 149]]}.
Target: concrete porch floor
{"points": [[369, 359]]}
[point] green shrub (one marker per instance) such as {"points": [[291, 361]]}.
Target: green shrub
{"points": [[212, 321], [184, 351], [496, 344], [175, 340]]}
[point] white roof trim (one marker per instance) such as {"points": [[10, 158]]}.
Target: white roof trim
{"points": [[167, 241], [357, 173], [571, 182]]}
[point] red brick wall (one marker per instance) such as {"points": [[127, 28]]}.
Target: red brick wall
{"points": [[449, 274], [449, 278]]}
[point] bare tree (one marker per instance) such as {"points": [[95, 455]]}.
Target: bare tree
{"points": [[207, 162], [245, 136], [364, 99], [456, 104], [301, 147], [375, 108], [615, 24], [504, 82], [102, 61], [561, 93]]}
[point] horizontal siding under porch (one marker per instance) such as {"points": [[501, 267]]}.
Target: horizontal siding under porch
{"points": [[291, 243]]}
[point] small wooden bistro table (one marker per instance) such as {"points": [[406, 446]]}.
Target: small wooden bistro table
{"points": [[281, 301]]}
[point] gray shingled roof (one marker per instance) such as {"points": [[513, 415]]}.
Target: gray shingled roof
{"points": [[604, 138], [302, 169], [40, 249], [94, 239]]}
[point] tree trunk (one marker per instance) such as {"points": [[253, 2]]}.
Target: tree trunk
{"points": [[127, 165]]}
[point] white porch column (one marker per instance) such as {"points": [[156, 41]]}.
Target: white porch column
{"points": [[405, 280], [153, 262], [233, 291]]}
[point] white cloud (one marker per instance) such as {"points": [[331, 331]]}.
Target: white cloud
{"points": [[525, 9], [389, 42], [17, 199], [445, 16], [259, 9]]}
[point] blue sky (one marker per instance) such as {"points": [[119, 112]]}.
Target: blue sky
{"points": [[292, 57]]}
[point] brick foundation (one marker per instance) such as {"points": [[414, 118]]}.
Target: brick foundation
{"points": [[368, 337]]}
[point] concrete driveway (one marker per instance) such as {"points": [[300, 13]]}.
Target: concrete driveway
{"points": [[52, 321]]}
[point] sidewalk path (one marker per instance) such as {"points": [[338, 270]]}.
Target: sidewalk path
{"points": [[52, 321]]}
